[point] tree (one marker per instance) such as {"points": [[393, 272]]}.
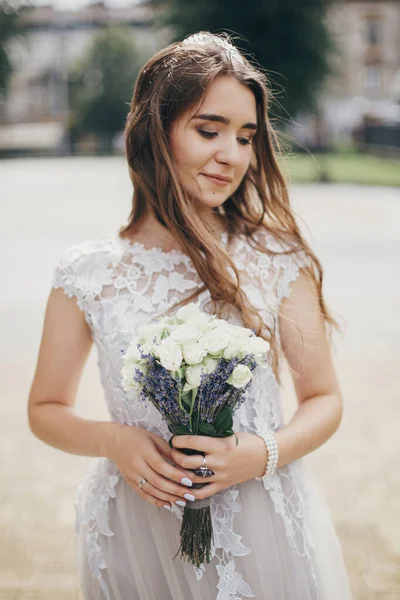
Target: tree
{"points": [[101, 84], [9, 28], [289, 39]]}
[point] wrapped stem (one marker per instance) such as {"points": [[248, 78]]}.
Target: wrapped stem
{"points": [[196, 529]]}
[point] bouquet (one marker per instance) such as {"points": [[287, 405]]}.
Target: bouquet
{"points": [[195, 369]]}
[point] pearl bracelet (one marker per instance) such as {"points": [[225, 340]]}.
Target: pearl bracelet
{"points": [[273, 454]]}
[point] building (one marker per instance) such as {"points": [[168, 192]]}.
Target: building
{"points": [[35, 110], [366, 79]]}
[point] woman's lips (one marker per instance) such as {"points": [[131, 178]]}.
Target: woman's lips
{"points": [[217, 180]]}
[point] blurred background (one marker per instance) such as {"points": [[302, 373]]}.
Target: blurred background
{"points": [[67, 71]]}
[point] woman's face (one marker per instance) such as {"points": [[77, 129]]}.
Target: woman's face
{"points": [[212, 146]]}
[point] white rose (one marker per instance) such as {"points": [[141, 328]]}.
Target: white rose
{"points": [[133, 353], [259, 347], [170, 354], [150, 331], [128, 373], [210, 364], [193, 352], [193, 377], [234, 349], [215, 322], [240, 377], [184, 333], [188, 312], [192, 313], [242, 332], [216, 340], [150, 347]]}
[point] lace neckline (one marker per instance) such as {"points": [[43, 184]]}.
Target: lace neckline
{"points": [[155, 250]]}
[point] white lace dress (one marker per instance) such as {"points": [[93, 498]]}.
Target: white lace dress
{"points": [[273, 540]]}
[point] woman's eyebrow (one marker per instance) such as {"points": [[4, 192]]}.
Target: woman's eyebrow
{"points": [[224, 120]]}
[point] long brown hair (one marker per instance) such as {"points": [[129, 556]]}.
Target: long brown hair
{"points": [[170, 83]]}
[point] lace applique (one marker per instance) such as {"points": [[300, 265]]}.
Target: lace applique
{"points": [[231, 583], [119, 285], [226, 545], [92, 512]]}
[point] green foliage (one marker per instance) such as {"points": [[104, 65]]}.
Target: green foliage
{"points": [[9, 28], [224, 420], [289, 39], [101, 84], [343, 167]]}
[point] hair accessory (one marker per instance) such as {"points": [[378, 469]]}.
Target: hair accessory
{"points": [[272, 452], [202, 37], [166, 64], [169, 64]]}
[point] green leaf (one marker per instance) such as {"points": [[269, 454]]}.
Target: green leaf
{"points": [[227, 433], [224, 420], [207, 429], [179, 429], [195, 421], [186, 400]]}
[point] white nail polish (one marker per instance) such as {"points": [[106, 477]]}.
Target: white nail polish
{"points": [[189, 497], [167, 506], [186, 481], [181, 503]]}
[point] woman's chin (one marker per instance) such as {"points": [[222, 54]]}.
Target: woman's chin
{"points": [[210, 200]]}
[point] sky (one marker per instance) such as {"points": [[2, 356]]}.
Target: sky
{"points": [[77, 4]]}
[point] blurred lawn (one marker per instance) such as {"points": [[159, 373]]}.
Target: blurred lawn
{"points": [[347, 167]]}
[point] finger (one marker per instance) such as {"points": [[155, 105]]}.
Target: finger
{"points": [[162, 446], [208, 490], [198, 442], [165, 450], [166, 485], [152, 499], [192, 462], [163, 497], [162, 467]]}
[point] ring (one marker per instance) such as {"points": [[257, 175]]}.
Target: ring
{"points": [[203, 470], [142, 482]]}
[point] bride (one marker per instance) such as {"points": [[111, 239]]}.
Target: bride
{"points": [[211, 221]]}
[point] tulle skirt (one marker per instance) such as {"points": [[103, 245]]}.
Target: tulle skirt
{"points": [[281, 561]]}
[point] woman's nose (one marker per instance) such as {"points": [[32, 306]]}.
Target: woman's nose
{"points": [[229, 153]]}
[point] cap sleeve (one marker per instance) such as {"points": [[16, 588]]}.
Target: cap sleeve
{"points": [[69, 275], [287, 263], [294, 263]]}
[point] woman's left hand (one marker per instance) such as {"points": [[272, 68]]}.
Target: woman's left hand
{"points": [[231, 463]]}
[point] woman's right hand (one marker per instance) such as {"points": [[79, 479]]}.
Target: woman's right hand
{"points": [[139, 454]]}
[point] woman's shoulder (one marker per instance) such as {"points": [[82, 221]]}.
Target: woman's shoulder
{"points": [[280, 246], [84, 263], [86, 249], [275, 260], [106, 249]]}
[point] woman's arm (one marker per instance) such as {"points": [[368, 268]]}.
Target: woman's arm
{"points": [[307, 349], [136, 452], [65, 345]]}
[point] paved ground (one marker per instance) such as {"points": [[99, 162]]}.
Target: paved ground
{"points": [[47, 205]]}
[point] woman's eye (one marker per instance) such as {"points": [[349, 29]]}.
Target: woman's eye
{"points": [[207, 134], [212, 134]]}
